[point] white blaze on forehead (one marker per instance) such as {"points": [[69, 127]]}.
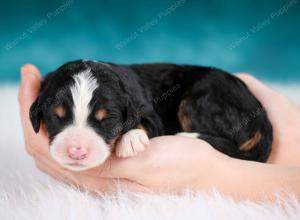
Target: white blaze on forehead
{"points": [[80, 134], [82, 93]]}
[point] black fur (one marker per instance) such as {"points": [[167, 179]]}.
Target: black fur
{"points": [[219, 106]]}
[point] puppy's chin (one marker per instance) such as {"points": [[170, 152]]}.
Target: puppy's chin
{"points": [[93, 150]]}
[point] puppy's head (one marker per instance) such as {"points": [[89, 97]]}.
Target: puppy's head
{"points": [[85, 108]]}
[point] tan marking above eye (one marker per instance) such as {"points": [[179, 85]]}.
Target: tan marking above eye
{"points": [[100, 114], [60, 111]]}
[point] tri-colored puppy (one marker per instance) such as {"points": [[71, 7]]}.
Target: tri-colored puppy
{"points": [[91, 109]]}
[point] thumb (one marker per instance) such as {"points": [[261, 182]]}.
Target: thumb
{"points": [[30, 86], [261, 91]]}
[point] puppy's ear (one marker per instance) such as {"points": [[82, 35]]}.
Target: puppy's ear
{"points": [[36, 115], [133, 115]]}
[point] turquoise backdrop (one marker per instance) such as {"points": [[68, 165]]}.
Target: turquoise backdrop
{"points": [[260, 37]]}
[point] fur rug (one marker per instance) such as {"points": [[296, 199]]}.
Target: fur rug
{"points": [[26, 193]]}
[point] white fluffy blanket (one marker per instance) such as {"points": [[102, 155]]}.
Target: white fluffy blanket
{"points": [[26, 193]]}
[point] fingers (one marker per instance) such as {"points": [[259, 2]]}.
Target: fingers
{"points": [[261, 91], [28, 92], [278, 107], [87, 182], [114, 167], [268, 96], [53, 173], [30, 86]]}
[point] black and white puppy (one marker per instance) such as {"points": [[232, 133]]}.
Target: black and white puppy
{"points": [[91, 109]]}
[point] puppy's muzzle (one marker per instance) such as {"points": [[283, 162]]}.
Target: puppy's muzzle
{"points": [[79, 148]]}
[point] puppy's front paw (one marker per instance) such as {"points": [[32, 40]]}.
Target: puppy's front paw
{"points": [[131, 143], [189, 134]]}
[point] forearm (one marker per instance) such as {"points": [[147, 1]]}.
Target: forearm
{"points": [[246, 180]]}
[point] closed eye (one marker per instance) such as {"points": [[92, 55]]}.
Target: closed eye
{"points": [[100, 114], [60, 111]]}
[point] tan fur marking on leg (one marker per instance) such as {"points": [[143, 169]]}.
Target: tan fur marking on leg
{"points": [[140, 126], [248, 145], [183, 117]]}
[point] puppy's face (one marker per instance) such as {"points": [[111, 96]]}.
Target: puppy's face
{"points": [[84, 111]]}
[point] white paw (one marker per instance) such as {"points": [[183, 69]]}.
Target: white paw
{"points": [[188, 134], [131, 143]]}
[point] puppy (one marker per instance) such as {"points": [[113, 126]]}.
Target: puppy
{"points": [[92, 109]]}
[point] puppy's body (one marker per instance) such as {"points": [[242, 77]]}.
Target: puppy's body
{"points": [[112, 104], [212, 103]]}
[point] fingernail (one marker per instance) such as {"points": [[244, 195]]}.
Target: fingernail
{"points": [[28, 69]]}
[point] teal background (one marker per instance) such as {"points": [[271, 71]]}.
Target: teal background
{"points": [[234, 35]]}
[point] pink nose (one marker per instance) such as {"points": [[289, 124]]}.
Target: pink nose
{"points": [[77, 153]]}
